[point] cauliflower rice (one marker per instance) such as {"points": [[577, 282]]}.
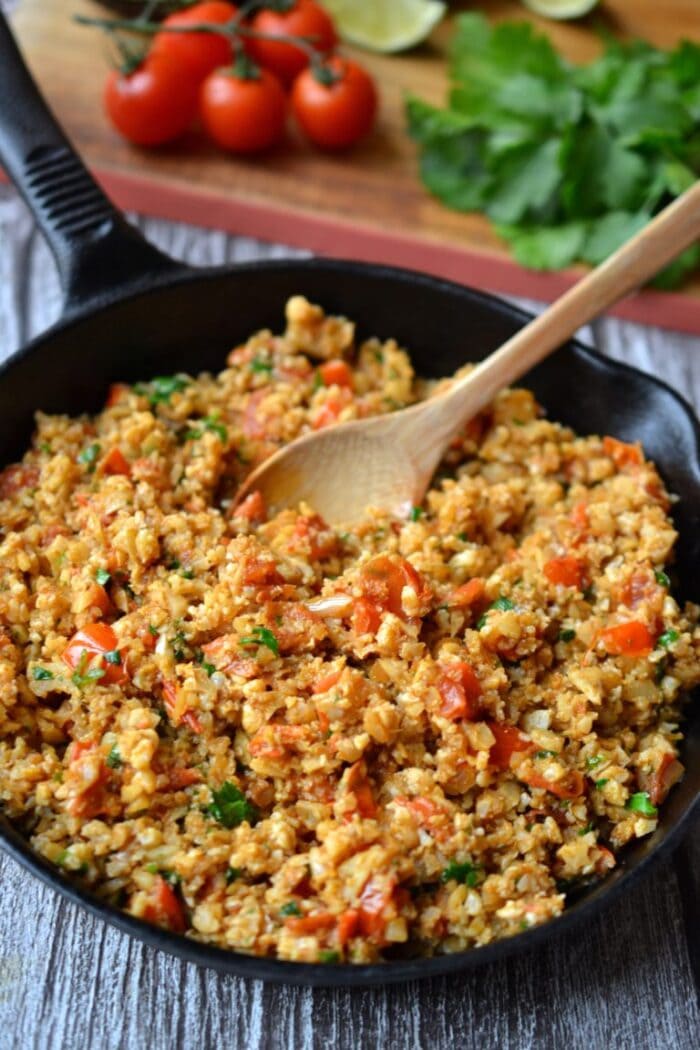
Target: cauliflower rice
{"points": [[334, 745]]}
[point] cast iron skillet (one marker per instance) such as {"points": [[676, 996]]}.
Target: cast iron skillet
{"points": [[131, 313]]}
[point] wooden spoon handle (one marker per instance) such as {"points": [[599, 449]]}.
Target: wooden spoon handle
{"points": [[636, 262]]}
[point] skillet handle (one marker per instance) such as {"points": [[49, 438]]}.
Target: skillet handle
{"points": [[100, 257]]}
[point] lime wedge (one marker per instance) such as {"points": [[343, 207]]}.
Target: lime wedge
{"points": [[561, 8], [385, 25]]}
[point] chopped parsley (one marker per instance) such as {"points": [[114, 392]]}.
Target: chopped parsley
{"points": [[466, 872], [501, 604], [88, 456], [230, 807], [641, 803], [328, 956], [171, 877], [462, 537], [161, 389], [212, 424], [103, 577], [566, 635], [82, 677], [113, 657], [114, 759], [209, 668], [290, 908], [41, 674], [594, 761], [153, 630], [263, 636], [600, 784], [232, 874], [416, 513], [546, 754], [668, 638], [661, 578], [259, 364], [588, 827]]}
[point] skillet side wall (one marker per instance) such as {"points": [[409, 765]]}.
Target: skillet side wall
{"points": [[190, 326]]}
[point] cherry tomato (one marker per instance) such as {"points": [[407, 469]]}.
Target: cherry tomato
{"points": [[196, 54], [335, 115], [243, 113], [306, 19], [152, 105]]}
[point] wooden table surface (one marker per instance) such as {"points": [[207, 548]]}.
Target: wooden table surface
{"points": [[624, 981]]}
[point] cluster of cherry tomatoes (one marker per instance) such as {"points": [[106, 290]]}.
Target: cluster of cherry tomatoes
{"points": [[243, 86]]}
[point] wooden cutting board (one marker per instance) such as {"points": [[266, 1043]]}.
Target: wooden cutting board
{"points": [[368, 204]]}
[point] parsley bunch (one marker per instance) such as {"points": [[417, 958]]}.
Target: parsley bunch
{"points": [[568, 162]]}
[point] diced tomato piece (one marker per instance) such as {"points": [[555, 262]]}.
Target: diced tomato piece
{"points": [[254, 423], [365, 617], [180, 777], [358, 783], [16, 477], [328, 413], [315, 535], [98, 598], [470, 593], [348, 926], [622, 454], [305, 924], [640, 587], [460, 690], [335, 373], [383, 579], [165, 908], [95, 639], [628, 639], [252, 508], [669, 772], [421, 807], [374, 899], [509, 739], [175, 710], [326, 682], [571, 785], [566, 571], [115, 394], [115, 462], [89, 774], [606, 860]]}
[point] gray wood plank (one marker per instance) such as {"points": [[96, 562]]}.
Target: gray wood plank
{"points": [[69, 981]]}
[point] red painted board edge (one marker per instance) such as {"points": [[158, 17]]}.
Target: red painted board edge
{"points": [[337, 238]]}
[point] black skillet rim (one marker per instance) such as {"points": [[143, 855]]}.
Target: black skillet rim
{"points": [[376, 974]]}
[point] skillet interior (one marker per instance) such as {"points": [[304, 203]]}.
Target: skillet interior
{"points": [[190, 325]]}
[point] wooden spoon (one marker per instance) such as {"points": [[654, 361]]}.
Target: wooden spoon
{"points": [[388, 461]]}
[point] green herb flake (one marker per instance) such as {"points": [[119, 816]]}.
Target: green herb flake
{"points": [[162, 388], [103, 577], [416, 513], [290, 908], [113, 657], [153, 630], [465, 872], [232, 874], [594, 761], [462, 537], [114, 759], [585, 831], [328, 956], [662, 578], [41, 674], [641, 803], [259, 364], [600, 784], [501, 604], [668, 638], [88, 456], [566, 635], [209, 668], [263, 636], [230, 807], [152, 869], [171, 877], [546, 754]]}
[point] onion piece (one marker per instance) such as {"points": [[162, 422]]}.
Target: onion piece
{"points": [[335, 605]]}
